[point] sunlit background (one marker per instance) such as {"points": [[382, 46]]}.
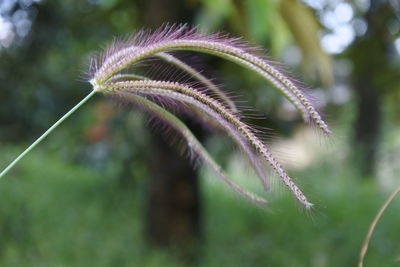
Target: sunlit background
{"points": [[110, 188]]}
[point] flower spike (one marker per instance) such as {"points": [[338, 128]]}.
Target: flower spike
{"points": [[113, 73]]}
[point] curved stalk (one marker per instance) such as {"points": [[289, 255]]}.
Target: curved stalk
{"points": [[125, 57], [374, 222], [210, 106], [200, 77], [254, 160], [192, 142], [189, 70]]}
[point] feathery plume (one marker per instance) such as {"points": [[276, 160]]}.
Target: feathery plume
{"points": [[214, 108], [111, 75], [191, 141], [181, 37]]}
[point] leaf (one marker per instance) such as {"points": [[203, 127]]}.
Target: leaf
{"points": [[305, 30]]}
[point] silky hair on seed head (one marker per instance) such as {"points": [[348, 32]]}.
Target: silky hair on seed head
{"points": [[114, 72]]}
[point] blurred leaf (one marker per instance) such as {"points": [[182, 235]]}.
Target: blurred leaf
{"points": [[265, 23], [274, 22], [258, 17], [214, 13], [304, 28], [108, 4]]}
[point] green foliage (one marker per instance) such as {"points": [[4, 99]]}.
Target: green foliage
{"points": [[108, 77], [55, 213], [275, 24], [80, 217]]}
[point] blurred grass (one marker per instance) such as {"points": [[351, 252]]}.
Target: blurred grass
{"points": [[56, 214]]}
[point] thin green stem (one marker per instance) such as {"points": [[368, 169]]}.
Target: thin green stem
{"points": [[45, 134], [373, 224]]}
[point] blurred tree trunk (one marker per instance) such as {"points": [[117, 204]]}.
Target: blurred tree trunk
{"points": [[173, 210], [370, 54]]}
